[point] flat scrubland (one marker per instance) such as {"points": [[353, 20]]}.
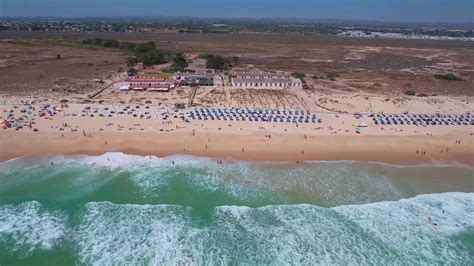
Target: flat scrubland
{"points": [[342, 74]]}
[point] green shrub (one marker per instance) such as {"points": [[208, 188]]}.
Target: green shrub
{"points": [[298, 75], [410, 92], [131, 71], [447, 76], [332, 76]]}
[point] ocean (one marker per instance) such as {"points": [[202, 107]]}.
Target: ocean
{"points": [[118, 209]]}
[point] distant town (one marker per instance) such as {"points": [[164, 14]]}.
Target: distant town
{"points": [[361, 29]]}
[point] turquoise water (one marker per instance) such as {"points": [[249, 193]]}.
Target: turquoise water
{"points": [[118, 209]]}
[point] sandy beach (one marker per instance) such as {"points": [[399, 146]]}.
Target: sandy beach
{"points": [[161, 131], [291, 147]]}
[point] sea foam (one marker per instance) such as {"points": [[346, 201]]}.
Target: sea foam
{"points": [[387, 232], [27, 226], [125, 209]]}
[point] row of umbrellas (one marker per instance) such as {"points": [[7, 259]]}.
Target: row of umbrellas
{"points": [[252, 111], [254, 115], [423, 119], [146, 112]]}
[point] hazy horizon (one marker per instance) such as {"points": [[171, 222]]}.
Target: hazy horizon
{"points": [[408, 11]]}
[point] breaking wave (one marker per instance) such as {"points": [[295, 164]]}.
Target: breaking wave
{"points": [[121, 209]]}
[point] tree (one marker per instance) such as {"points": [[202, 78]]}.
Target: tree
{"points": [[180, 60], [98, 41], [131, 71], [111, 43], [150, 58], [217, 62], [129, 46], [131, 61], [88, 41], [144, 48]]}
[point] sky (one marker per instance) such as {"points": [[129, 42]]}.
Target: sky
{"points": [[378, 10]]}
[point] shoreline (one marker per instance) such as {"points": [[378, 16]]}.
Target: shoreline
{"points": [[395, 150]]}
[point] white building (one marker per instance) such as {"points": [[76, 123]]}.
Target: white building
{"points": [[265, 80]]}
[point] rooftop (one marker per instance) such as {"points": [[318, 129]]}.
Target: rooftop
{"points": [[146, 79], [259, 80], [262, 74]]}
